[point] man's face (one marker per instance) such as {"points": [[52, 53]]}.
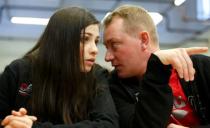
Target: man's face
{"points": [[123, 50]]}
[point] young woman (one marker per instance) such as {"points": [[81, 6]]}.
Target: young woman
{"points": [[58, 81]]}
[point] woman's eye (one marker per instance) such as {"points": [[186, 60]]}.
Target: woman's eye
{"points": [[96, 42], [85, 39]]}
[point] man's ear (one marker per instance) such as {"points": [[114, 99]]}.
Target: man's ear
{"points": [[144, 37]]}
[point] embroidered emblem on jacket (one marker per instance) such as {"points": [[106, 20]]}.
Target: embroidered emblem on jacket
{"points": [[25, 89], [178, 111]]}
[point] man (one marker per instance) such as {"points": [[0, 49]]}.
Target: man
{"points": [[140, 81]]}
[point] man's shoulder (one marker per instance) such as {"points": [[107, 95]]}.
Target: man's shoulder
{"points": [[113, 77], [100, 72], [200, 60], [197, 57], [117, 82]]}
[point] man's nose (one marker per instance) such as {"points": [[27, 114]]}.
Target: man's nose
{"points": [[109, 56]]}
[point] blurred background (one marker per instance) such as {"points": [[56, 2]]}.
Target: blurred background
{"points": [[180, 23]]}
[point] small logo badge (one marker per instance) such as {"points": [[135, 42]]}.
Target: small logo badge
{"points": [[25, 89]]}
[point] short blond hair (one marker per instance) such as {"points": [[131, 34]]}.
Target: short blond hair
{"points": [[135, 18]]}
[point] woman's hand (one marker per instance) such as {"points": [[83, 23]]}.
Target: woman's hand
{"points": [[171, 125], [179, 58], [18, 119]]}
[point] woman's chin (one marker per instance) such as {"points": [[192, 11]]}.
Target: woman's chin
{"points": [[87, 69]]}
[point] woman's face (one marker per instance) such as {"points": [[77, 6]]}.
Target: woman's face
{"points": [[88, 44]]}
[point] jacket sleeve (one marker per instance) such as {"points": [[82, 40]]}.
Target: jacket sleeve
{"points": [[155, 99], [8, 87], [10, 80]]}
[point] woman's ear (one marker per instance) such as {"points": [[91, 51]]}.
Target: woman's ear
{"points": [[144, 37]]}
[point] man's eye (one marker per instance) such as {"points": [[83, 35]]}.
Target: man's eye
{"points": [[115, 45]]}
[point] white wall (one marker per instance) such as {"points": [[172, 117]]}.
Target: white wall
{"points": [[13, 49]]}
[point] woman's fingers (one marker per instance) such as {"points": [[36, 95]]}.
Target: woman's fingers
{"points": [[21, 112], [21, 119], [180, 60]]}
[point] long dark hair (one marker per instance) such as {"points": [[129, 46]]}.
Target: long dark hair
{"points": [[60, 91]]}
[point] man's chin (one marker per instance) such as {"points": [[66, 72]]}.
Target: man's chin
{"points": [[124, 74], [121, 75]]}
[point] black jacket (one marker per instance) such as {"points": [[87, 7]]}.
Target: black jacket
{"points": [[148, 103], [102, 115], [198, 91], [145, 103]]}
